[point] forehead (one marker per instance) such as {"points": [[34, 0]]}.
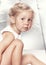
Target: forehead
{"points": [[26, 13]]}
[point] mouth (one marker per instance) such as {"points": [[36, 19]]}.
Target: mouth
{"points": [[26, 28]]}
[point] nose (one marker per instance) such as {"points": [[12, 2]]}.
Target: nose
{"points": [[27, 22]]}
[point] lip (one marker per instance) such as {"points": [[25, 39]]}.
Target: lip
{"points": [[26, 28], [26, 24]]}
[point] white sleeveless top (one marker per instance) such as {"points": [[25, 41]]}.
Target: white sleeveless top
{"points": [[8, 28]]}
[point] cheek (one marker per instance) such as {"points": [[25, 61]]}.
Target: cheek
{"points": [[19, 22], [19, 25], [30, 25]]}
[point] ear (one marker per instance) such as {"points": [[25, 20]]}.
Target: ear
{"points": [[12, 19]]}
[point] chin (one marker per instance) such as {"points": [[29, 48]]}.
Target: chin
{"points": [[25, 30]]}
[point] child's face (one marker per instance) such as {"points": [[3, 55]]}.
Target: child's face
{"points": [[24, 21]]}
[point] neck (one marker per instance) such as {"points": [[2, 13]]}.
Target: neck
{"points": [[15, 29]]}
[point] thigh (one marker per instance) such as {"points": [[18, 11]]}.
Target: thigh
{"points": [[7, 55], [17, 53], [6, 41]]}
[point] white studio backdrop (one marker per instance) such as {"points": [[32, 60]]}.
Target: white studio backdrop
{"points": [[34, 36]]}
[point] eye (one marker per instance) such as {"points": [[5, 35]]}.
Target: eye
{"points": [[22, 18], [29, 19]]}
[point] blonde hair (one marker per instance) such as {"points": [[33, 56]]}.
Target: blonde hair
{"points": [[18, 7]]}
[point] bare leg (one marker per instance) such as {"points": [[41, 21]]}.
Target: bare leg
{"points": [[26, 59], [7, 56], [30, 59], [7, 39], [17, 53]]}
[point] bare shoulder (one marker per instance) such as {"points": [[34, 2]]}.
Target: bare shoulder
{"points": [[7, 33]]}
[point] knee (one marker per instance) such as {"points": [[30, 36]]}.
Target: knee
{"points": [[19, 43]]}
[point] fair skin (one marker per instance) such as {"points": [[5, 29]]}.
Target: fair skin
{"points": [[31, 59], [23, 22], [4, 44], [14, 55], [14, 45], [18, 59]]}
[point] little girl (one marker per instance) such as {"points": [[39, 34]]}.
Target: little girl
{"points": [[20, 20]]}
